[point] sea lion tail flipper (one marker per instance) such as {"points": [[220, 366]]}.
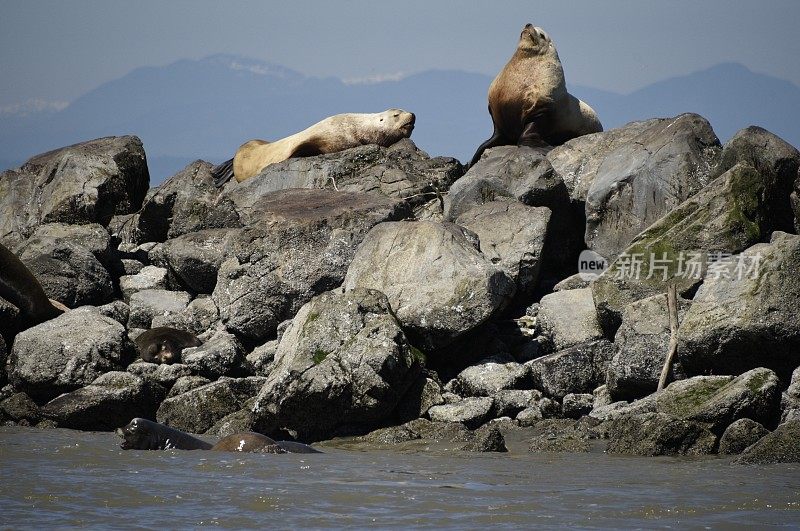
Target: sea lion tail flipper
{"points": [[222, 173]]}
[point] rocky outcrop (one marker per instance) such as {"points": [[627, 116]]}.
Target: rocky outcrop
{"points": [[578, 369], [728, 328], [194, 258], [642, 343], [780, 446], [150, 303], [109, 402], [68, 352], [301, 247], [726, 217], [221, 355], [400, 171], [471, 412], [631, 176], [344, 362], [568, 318], [488, 377], [462, 288], [199, 408], [658, 434], [739, 435], [85, 183], [512, 235]]}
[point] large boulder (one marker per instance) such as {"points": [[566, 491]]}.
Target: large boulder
{"points": [[578, 369], [194, 258], [568, 318], [400, 171], [85, 183], [739, 435], [343, 364], [748, 314], [438, 283], [109, 402], [302, 247], [631, 176], [68, 261], [186, 202], [490, 376], [150, 303], [471, 412], [199, 408], [513, 236], [68, 352], [776, 160], [780, 446], [658, 434], [642, 342], [726, 217], [220, 355]]}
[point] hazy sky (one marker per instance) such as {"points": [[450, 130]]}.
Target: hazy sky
{"points": [[58, 50]]}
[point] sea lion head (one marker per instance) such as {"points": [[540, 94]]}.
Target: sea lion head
{"points": [[396, 122], [534, 41], [162, 352], [139, 434]]}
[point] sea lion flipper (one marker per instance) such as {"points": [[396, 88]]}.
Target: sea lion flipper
{"points": [[532, 137], [308, 148], [222, 173], [496, 139]]}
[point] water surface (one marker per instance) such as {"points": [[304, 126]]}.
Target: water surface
{"points": [[64, 478]]}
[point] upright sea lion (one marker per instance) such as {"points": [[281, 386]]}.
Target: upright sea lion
{"points": [[20, 287], [528, 100], [335, 133], [164, 344], [143, 434]]}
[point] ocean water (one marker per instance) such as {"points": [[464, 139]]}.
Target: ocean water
{"points": [[65, 479]]}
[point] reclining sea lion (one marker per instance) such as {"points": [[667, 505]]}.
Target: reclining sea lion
{"points": [[143, 434], [164, 344], [333, 134], [20, 287], [528, 100]]}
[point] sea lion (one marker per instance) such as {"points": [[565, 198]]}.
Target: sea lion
{"points": [[333, 134], [528, 100], [143, 434], [20, 287], [164, 344]]}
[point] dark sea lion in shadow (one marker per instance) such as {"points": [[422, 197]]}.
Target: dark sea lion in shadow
{"points": [[143, 434], [20, 287], [164, 344]]}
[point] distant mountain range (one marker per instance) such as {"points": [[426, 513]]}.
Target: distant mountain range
{"points": [[206, 108]]}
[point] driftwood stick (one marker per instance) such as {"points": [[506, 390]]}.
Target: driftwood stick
{"points": [[672, 307]]}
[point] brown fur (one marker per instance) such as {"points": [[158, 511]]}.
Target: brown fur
{"points": [[528, 100]]}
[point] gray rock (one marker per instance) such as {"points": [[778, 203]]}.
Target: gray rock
{"points": [[736, 324], [560, 435], [221, 355], [400, 171], [438, 291], [261, 358], [487, 439], [726, 217], [568, 318], [131, 266], [472, 412], [575, 281], [578, 369], [512, 235], [301, 247], [632, 176], [165, 375], [194, 258], [186, 202], [422, 394], [199, 316], [3, 358], [780, 446], [68, 352], [83, 183], [575, 406], [344, 362], [489, 376], [20, 409], [184, 384], [67, 262], [117, 310], [739, 435], [198, 409], [149, 303], [776, 160], [601, 397], [149, 277], [658, 434], [109, 402], [419, 434], [642, 343], [236, 422], [509, 402]]}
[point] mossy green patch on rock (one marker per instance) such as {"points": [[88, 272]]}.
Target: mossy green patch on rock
{"points": [[319, 356]]}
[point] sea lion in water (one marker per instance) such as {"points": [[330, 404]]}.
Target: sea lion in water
{"points": [[20, 287], [333, 134], [528, 100], [143, 434], [164, 344]]}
